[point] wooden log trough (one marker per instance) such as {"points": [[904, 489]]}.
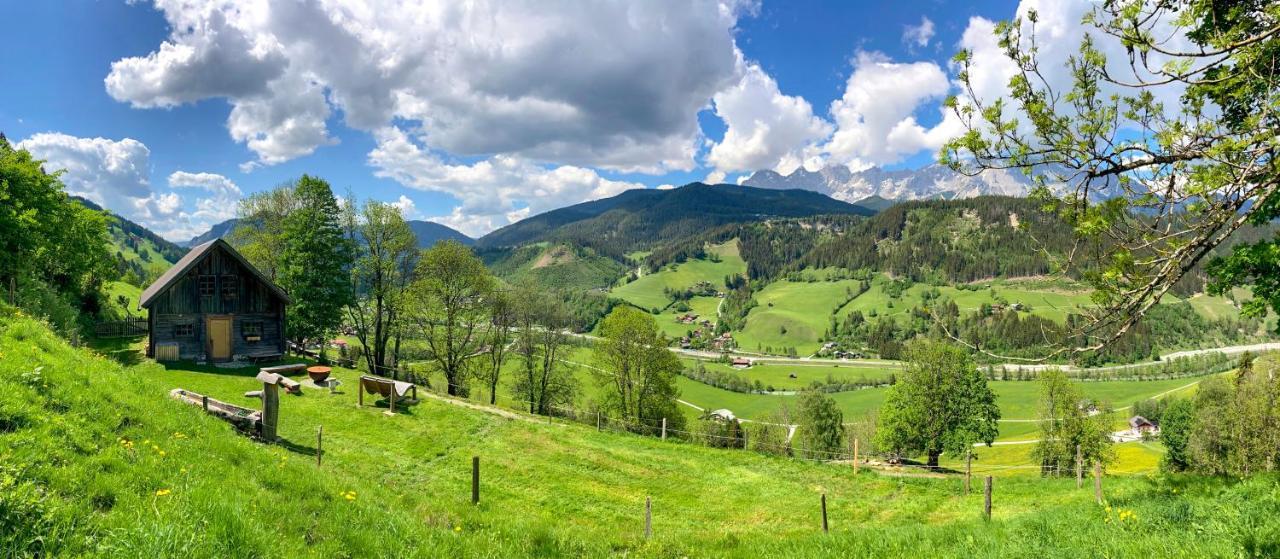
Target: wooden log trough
{"points": [[245, 419], [261, 424]]}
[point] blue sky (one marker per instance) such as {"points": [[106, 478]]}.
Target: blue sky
{"points": [[536, 111]]}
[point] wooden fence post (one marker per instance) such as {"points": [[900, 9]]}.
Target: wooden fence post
{"points": [[1097, 481], [204, 403], [475, 480], [270, 410], [968, 469], [986, 502], [598, 428], [824, 513], [319, 444], [855, 455], [1079, 468], [664, 428], [648, 517]]}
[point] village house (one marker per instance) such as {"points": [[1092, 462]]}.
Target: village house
{"points": [[740, 363], [214, 305], [1141, 426]]}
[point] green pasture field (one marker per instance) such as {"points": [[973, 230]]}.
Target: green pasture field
{"points": [[647, 292]]}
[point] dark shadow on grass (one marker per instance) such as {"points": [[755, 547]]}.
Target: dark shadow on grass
{"points": [[125, 351], [403, 406], [295, 447], [249, 370]]}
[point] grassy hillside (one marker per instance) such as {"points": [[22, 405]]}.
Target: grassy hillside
{"points": [[1051, 300], [554, 266], [793, 314], [646, 292], [98, 461]]}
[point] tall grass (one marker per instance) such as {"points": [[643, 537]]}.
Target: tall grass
{"points": [[95, 460]]}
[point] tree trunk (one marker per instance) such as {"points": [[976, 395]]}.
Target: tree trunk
{"points": [[933, 458]]}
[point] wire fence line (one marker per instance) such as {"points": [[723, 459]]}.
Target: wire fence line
{"points": [[655, 428]]}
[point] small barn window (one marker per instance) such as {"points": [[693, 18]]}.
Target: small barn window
{"points": [[186, 330], [230, 287], [251, 330], [207, 285]]}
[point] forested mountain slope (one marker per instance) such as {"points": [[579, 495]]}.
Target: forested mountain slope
{"points": [[139, 252], [639, 219]]}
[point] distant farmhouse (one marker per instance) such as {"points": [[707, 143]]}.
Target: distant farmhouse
{"points": [[214, 305]]}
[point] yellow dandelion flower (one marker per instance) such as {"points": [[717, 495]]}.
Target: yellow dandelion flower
{"points": [[457, 528], [162, 453], [162, 492]]}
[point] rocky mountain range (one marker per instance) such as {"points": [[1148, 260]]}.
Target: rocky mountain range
{"points": [[932, 182]]}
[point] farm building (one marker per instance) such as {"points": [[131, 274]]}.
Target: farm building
{"points": [[740, 363], [214, 305], [1139, 425]]}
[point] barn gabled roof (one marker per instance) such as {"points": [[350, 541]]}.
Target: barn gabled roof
{"points": [[190, 259]]}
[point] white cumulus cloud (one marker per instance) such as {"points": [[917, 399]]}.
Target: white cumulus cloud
{"points": [[764, 128], [918, 35], [608, 84], [116, 174], [492, 192], [874, 118]]}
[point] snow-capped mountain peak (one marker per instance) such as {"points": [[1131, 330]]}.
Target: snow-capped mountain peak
{"points": [[933, 181]]}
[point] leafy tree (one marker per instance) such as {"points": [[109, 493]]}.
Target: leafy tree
{"points": [[1067, 422], [1148, 188], [545, 381], [1175, 430], [451, 294], [260, 228], [313, 266], [770, 435], [821, 425], [639, 373], [497, 341], [53, 249], [940, 403], [1209, 446], [386, 253]]}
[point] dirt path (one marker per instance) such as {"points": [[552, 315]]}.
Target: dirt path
{"points": [[484, 408]]}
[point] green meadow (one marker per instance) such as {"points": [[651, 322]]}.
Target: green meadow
{"points": [[646, 292], [793, 314], [98, 461]]}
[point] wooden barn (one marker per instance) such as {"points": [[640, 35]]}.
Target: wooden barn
{"points": [[213, 305]]}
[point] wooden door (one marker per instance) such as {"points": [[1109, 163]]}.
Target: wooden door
{"points": [[219, 338]]}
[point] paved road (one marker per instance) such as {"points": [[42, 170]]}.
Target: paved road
{"points": [[881, 363]]}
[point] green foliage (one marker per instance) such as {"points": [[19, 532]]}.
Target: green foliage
{"points": [[544, 382], [821, 428], [1136, 235], [386, 254], [1068, 423], [1234, 431], [450, 293], [52, 247], [1175, 431], [638, 374], [314, 265], [940, 403]]}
